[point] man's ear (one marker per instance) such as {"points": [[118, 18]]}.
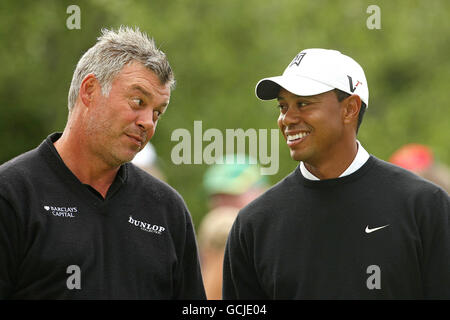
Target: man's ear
{"points": [[88, 88], [351, 107]]}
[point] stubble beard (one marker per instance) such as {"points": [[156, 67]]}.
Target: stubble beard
{"points": [[105, 143]]}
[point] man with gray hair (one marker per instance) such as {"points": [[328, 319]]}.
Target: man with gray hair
{"points": [[77, 219]]}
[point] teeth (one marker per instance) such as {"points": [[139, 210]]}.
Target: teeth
{"points": [[297, 136]]}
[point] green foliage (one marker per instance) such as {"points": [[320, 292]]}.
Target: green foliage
{"points": [[219, 50]]}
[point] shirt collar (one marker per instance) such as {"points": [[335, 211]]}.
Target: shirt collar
{"points": [[361, 157], [119, 180]]}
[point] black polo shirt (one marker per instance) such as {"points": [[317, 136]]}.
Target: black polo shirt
{"points": [[59, 239]]}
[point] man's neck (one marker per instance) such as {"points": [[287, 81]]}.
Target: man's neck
{"points": [[87, 167], [334, 166]]}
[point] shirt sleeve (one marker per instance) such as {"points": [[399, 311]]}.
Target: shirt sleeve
{"points": [[9, 247], [435, 233], [240, 279], [190, 282]]}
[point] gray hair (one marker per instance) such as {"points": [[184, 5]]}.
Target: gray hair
{"points": [[112, 52]]}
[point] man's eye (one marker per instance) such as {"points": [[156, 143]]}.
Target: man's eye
{"points": [[138, 101], [302, 104], [282, 108], [157, 113]]}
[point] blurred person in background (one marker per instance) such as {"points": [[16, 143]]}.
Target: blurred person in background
{"points": [[212, 236], [234, 184], [77, 219], [230, 186], [419, 159], [147, 160]]}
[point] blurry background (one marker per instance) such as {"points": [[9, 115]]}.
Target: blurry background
{"points": [[219, 50]]}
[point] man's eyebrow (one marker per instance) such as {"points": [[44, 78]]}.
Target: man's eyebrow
{"points": [[142, 90], [148, 94], [299, 97]]}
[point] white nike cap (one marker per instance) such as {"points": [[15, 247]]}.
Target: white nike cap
{"points": [[315, 71]]}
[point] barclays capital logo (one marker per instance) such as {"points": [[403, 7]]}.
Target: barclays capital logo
{"points": [[67, 212]]}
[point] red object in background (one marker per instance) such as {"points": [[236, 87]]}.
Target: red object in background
{"points": [[414, 157]]}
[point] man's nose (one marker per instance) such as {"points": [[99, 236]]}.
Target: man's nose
{"points": [[290, 116], [145, 121]]}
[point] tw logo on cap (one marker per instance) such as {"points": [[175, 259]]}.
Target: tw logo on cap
{"points": [[298, 58], [350, 82]]}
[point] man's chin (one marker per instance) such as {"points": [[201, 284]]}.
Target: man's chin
{"points": [[125, 157], [296, 156], [129, 158]]}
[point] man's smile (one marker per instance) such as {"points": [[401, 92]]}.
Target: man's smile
{"points": [[293, 138]]}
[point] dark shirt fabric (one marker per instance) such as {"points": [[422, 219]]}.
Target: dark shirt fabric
{"points": [[305, 239], [136, 243]]}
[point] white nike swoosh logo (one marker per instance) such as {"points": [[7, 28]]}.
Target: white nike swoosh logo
{"points": [[368, 230]]}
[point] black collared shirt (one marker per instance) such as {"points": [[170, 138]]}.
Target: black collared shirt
{"points": [[59, 239], [379, 233]]}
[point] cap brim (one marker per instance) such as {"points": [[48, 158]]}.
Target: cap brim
{"points": [[268, 88]]}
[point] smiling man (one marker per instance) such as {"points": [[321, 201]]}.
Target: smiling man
{"points": [[77, 219], [344, 224]]}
